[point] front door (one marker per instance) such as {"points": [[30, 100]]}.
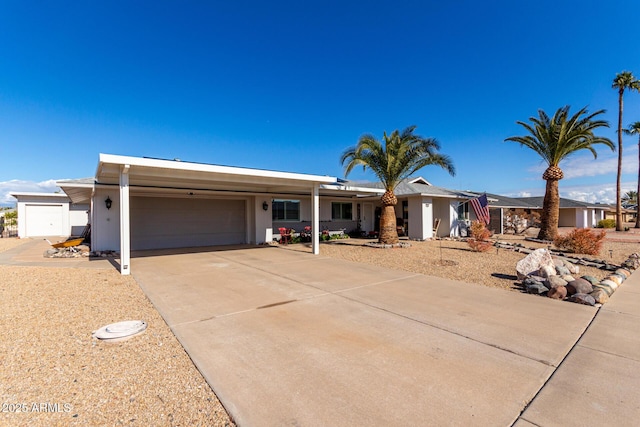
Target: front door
{"points": [[367, 217]]}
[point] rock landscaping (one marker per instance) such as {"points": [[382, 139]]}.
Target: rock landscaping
{"points": [[388, 246], [69, 252], [556, 276]]}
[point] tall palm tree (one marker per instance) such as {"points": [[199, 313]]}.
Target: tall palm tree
{"points": [[554, 139], [402, 154], [634, 129], [622, 81]]}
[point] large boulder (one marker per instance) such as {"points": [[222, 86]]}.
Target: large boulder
{"points": [[591, 279], [599, 295], [536, 288], [547, 271], [606, 285], [579, 286], [585, 299], [554, 282], [623, 271], [614, 278], [558, 292], [573, 269], [533, 262]]}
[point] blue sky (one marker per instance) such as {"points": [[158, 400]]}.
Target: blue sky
{"points": [[290, 85]]}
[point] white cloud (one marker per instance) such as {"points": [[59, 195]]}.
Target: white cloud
{"points": [[20, 186], [603, 193], [523, 194]]}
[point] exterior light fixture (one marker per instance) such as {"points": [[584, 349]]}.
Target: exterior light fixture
{"points": [[108, 203], [265, 206]]}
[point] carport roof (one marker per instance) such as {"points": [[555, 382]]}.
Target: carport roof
{"points": [[152, 175]]}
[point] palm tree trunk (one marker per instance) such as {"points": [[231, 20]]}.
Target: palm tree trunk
{"points": [[638, 191], [619, 177], [388, 230], [550, 211]]}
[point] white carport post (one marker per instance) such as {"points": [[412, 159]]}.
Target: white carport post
{"points": [[315, 219], [125, 236]]}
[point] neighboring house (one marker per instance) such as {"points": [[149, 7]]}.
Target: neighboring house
{"points": [[628, 214], [420, 204], [573, 213], [49, 214]]}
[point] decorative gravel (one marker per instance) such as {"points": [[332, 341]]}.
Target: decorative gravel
{"points": [[455, 260], [55, 373]]}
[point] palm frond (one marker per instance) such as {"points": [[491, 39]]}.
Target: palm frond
{"points": [[402, 154], [555, 138]]}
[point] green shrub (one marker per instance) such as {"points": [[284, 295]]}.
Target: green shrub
{"points": [[606, 223], [581, 241]]}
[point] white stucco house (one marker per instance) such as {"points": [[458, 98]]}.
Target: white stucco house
{"points": [[50, 214], [139, 203], [573, 213], [145, 203]]}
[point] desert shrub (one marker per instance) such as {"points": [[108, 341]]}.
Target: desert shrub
{"points": [[581, 241], [606, 223], [479, 240]]}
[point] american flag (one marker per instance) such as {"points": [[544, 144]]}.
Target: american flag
{"points": [[480, 206]]}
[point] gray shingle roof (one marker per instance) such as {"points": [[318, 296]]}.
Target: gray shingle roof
{"points": [[415, 186], [564, 203], [407, 188]]}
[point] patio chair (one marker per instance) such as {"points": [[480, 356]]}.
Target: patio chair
{"points": [[285, 235]]}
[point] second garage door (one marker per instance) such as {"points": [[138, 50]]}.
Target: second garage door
{"points": [[158, 222], [44, 220]]}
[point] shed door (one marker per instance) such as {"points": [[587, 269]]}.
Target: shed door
{"points": [[158, 222], [43, 220]]}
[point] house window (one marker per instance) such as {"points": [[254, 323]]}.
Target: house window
{"points": [[285, 210], [341, 211], [463, 210]]}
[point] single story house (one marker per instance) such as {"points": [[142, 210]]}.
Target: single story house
{"points": [[421, 206], [142, 203], [628, 214], [573, 213], [50, 214]]}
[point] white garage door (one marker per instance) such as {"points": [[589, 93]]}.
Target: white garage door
{"points": [[158, 222], [43, 220]]}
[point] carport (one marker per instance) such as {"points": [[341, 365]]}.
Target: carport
{"points": [[140, 203]]}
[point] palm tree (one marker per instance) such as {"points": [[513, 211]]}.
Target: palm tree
{"points": [[403, 154], [622, 81], [634, 129], [554, 139], [630, 197]]}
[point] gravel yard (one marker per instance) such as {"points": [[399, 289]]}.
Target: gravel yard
{"points": [[455, 260], [57, 374]]}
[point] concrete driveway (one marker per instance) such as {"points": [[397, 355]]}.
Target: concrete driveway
{"points": [[288, 338]]}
